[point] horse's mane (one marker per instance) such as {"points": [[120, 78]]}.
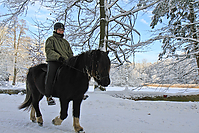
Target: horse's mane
{"points": [[72, 61]]}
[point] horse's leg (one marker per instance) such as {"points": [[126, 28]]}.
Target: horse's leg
{"points": [[76, 114], [35, 104], [38, 113], [32, 114], [63, 113]]}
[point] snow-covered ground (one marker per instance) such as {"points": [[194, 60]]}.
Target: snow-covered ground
{"points": [[102, 113]]}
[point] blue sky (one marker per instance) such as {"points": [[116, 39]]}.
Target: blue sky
{"points": [[142, 25]]}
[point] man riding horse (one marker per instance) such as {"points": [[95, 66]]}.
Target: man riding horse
{"points": [[72, 80], [57, 51]]}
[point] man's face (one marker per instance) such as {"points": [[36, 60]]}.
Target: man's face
{"points": [[60, 31]]}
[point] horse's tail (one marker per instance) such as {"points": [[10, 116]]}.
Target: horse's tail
{"points": [[28, 100]]}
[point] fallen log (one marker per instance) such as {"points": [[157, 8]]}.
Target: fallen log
{"points": [[173, 85]]}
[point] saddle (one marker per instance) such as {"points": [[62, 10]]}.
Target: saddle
{"points": [[44, 69]]}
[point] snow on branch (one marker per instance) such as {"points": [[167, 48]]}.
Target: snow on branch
{"points": [[112, 4], [120, 35], [171, 36], [16, 7], [82, 20], [132, 11]]}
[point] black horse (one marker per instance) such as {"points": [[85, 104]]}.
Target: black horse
{"points": [[71, 84]]}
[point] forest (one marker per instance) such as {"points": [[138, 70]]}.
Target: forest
{"points": [[108, 25]]}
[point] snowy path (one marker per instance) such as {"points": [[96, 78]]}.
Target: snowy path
{"points": [[102, 113]]}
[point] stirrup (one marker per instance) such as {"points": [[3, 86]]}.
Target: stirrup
{"points": [[85, 97], [51, 101]]}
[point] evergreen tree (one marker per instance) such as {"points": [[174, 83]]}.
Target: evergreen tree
{"points": [[180, 35]]}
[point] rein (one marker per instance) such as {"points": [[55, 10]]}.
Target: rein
{"points": [[82, 71], [92, 73]]}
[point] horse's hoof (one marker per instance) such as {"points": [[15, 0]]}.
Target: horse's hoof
{"points": [[34, 121], [40, 124], [81, 131], [53, 121], [57, 121], [40, 121]]}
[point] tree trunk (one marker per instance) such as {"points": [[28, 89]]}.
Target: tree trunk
{"points": [[103, 31], [15, 58], [15, 74], [16, 47], [103, 26]]}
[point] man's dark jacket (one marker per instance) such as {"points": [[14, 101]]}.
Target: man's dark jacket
{"points": [[56, 46]]}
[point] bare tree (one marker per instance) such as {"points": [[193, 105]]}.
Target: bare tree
{"points": [[3, 35], [91, 24], [4, 54], [17, 35], [36, 47]]}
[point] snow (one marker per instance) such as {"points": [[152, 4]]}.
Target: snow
{"points": [[8, 85], [102, 113]]}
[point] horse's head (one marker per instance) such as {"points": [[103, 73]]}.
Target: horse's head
{"points": [[100, 67]]}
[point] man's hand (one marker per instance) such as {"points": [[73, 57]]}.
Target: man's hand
{"points": [[62, 60]]}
